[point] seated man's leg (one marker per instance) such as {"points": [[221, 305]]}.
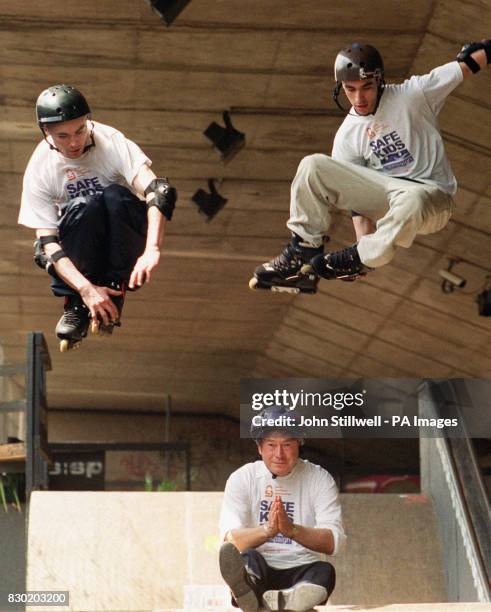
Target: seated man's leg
{"points": [[301, 588], [246, 574], [82, 230], [414, 209], [127, 221]]}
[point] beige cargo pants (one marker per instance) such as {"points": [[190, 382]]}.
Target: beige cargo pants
{"points": [[401, 208]]}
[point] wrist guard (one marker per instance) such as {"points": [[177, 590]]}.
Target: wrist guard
{"points": [[469, 48], [163, 196]]}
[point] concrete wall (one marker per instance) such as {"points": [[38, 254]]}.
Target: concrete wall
{"points": [[13, 553]]}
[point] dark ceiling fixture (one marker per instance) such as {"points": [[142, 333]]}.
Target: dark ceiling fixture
{"points": [[484, 299], [168, 10], [226, 140], [209, 204]]}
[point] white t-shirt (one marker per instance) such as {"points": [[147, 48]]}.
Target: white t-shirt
{"points": [[402, 138], [310, 497], [51, 179]]}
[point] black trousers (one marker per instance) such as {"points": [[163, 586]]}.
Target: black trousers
{"points": [[103, 235], [263, 578]]}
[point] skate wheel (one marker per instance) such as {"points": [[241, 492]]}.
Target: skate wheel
{"points": [[306, 269], [253, 283], [94, 327], [282, 289], [64, 346]]}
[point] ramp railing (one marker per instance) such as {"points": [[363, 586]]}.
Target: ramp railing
{"points": [[451, 475], [37, 451]]}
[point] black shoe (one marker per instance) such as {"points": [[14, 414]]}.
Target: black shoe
{"points": [[74, 322], [284, 272], [234, 573], [344, 264]]}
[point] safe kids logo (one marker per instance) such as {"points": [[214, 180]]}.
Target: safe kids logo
{"points": [[78, 186], [389, 149]]}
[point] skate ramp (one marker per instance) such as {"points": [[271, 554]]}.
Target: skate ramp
{"points": [[442, 607], [150, 551], [393, 553]]}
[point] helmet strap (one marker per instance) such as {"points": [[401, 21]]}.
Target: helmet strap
{"points": [[91, 136], [335, 97], [380, 91], [50, 145], [87, 146]]}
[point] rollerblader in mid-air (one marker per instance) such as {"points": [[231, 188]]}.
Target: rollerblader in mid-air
{"points": [[388, 167], [98, 210]]}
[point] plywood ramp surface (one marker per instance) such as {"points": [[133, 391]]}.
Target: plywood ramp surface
{"points": [[151, 551]]}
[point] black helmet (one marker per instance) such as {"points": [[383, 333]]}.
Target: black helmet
{"points": [[357, 62], [60, 103], [281, 421]]}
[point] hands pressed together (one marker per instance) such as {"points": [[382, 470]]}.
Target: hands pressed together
{"points": [[279, 521]]}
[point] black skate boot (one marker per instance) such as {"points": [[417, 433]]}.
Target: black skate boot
{"points": [[344, 264], [285, 272], [98, 326], [73, 325]]}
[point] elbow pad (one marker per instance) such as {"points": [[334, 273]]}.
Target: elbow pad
{"points": [[163, 196], [40, 258]]}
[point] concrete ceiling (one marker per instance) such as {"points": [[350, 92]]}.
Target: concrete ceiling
{"points": [[198, 329]]}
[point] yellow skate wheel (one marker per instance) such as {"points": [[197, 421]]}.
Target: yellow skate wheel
{"points": [[253, 283], [94, 327], [64, 345]]}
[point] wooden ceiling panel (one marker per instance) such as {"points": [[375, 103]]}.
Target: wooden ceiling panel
{"points": [[113, 10], [436, 50], [310, 14], [473, 126], [461, 22], [177, 48]]}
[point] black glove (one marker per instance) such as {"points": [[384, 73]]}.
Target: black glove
{"points": [[469, 48]]}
